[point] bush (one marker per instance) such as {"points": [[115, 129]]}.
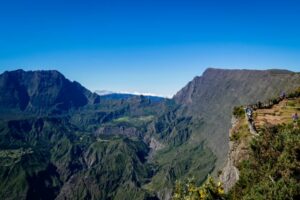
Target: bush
{"points": [[208, 191], [238, 111], [272, 170]]}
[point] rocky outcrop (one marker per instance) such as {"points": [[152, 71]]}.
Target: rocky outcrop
{"points": [[154, 146], [230, 173], [238, 151]]}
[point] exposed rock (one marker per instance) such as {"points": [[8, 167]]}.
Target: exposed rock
{"points": [[238, 151]]}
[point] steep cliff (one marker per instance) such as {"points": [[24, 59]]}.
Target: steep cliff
{"points": [[213, 95]]}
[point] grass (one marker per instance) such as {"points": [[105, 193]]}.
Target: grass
{"points": [[278, 114], [241, 130], [134, 120], [291, 103]]}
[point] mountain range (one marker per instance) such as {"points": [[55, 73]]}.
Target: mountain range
{"points": [[58, 140]]}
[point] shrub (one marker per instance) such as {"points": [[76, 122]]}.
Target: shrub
{"points": [[210, 190], [238, 111], [272, 170]]}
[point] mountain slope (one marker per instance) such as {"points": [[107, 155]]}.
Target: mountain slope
{"points": [[48, 158], [52, 146], [203, 118], [41, 91], [213, 95], [264, 157], [267, 159]]}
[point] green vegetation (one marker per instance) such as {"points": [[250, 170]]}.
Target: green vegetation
{"points": [[238, 111], [49, 155], [59, 139], [134, 121], [241, 132], [189, 191], [179, 163], [272, 171]]}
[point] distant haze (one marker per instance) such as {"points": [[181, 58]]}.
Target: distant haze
{"points": [[106, 92]]}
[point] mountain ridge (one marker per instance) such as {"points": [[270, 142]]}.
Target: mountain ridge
{"points": [[158, 142], [41, 91]]}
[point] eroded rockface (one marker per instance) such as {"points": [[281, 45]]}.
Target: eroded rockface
{"points": [[238, 151]]}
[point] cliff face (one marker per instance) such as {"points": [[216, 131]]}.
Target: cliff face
{"points": [[212, 96], [238, 151]]}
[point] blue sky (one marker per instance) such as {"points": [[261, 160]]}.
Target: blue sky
{"points": [[151, 46]]}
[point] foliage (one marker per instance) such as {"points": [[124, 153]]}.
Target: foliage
{"points": [[208, 191], [48, 155], [238, 111], [242, 132], [272, 171]]}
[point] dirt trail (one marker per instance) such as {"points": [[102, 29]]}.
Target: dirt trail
{"points": [[278, 114]]}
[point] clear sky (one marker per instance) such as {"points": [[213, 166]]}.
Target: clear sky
{"points": [[153, 46]]}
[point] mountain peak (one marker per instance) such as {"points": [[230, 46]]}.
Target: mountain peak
{"points": [[36, 91]]}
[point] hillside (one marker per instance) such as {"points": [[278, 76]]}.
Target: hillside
{"points": [[60, 141], [195, 134], [263, 161], [213, 95], [272, 140]]}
